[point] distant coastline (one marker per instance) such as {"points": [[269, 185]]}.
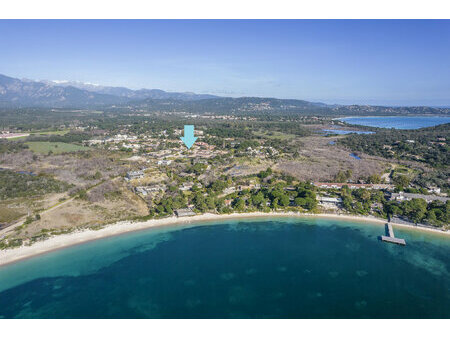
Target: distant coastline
{"points": [[58, 242]]}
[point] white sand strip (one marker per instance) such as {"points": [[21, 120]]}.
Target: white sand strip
{"points": [[82, 236]]}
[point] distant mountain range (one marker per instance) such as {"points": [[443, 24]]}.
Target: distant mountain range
{"points": [[64, 94], [141, 94], [16, 93], [27, 93]]}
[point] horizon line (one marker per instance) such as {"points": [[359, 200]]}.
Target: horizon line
{"points": [[319, 101]]}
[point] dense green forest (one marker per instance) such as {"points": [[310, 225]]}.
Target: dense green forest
{"points": [[365, 202], [272, 196], [437, 178], [426, 145], [71, 137], [418, 211]]}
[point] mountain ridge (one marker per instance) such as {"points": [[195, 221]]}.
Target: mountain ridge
{"points": [[20, 93], [16, 93], [65, 94], [120, 91]]}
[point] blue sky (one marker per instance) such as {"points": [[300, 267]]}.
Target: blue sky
{"points": [[337, 61]]}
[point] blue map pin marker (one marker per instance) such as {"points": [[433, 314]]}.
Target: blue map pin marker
{"points": [[189, 138]]}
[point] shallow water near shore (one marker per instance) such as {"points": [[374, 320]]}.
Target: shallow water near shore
{"points": [[252, 268]]}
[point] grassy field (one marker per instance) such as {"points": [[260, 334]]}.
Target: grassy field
{"points": [[8, 214], [55, 147], [274, 135], [402, 170]]}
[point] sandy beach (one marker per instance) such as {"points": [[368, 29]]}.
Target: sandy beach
{"points": [[62, 241]]}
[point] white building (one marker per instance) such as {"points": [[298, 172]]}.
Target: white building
{"points": [[186, 186], [184, 212], [146, 190], [132, 175], [329, 202], [408, 197]]}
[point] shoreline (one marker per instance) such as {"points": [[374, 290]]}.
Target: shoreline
{"points": [[58, 242]]}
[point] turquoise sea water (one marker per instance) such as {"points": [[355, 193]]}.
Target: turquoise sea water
{"points": [[256, 268], [398, 122]]}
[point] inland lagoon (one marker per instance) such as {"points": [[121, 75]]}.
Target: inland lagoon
{"points": [[397, 122], [277, 267]]}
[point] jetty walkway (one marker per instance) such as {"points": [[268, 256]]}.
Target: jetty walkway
{"points": [[391, 237]]}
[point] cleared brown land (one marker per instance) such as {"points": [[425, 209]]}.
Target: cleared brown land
{"points": [[107, 203], [320, 161], [12, 210], [77, 169]]}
